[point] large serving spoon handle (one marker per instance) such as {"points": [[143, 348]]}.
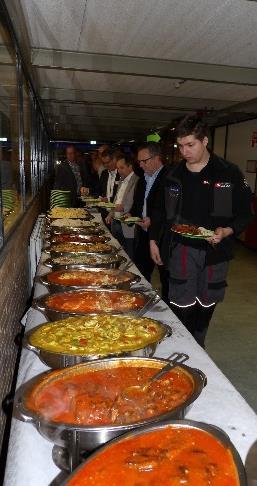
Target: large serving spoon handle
{"points": [[176, 359], [179, 358]]}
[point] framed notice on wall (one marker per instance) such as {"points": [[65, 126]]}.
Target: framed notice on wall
{"points": [[251, 166]]}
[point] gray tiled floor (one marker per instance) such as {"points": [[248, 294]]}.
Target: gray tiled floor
{"points": [[232, 337]]}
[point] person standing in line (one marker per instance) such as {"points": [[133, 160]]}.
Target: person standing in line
{"points": [[207, 191], [68, 176], [124, 200], [148, 187], [98, 161], [110, 177]]}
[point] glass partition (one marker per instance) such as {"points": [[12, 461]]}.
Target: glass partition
{"points": [[27, 114], [11, 202], [24, 144]]}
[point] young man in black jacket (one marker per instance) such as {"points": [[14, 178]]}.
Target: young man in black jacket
{"points": [[206, 191], [147, 190]]}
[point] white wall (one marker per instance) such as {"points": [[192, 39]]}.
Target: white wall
{"points": [[219, 141], [239, 146]]}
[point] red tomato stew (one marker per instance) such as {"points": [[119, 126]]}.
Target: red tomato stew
{"points": [[87, 301], [95, 397], [168, 457]]}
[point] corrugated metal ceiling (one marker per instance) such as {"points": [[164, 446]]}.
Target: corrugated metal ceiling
{"points": [[219, 32]]}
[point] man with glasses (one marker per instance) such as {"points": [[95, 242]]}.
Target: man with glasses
{"points": [[150, 160]]}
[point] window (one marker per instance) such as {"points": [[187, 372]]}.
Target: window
{"points": [[24, 145], [11, 203], [27, 115]]}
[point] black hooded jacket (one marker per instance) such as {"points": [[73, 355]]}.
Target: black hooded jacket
{"points": [[227, 199]]}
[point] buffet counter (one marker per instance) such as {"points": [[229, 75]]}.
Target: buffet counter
{"points": [[29, 461]]}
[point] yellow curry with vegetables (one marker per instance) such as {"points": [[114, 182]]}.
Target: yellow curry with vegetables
{"points": [[99, 335]]}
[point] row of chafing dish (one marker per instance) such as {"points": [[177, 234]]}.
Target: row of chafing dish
{"points": [[73, 441]]}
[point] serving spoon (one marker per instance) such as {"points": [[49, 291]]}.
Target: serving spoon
{"points": [[125, 267], [127, 394]]}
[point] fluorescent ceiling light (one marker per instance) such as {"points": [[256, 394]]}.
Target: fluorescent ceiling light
{"points": [[3, 139], [92, 142]]}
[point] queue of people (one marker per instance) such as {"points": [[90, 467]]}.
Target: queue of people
{"points": [[202, 190]]}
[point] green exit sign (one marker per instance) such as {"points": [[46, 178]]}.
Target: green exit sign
{"points": [[153, 137]]}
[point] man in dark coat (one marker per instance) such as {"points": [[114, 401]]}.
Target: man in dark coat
{"points": [[150, 161], [68, 176]]}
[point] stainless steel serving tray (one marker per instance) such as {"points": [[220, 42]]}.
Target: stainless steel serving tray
{"points": [[62, 360], [50, 240], [95, 229], [121, 285], [111, 261], [216, 432], [90, 437], [88, 250], [74, 229], [40, 304], [87, 217]]}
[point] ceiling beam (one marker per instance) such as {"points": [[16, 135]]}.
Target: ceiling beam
{"points": [[82, 117], [174, 102], [249, 107], [110, 124], [140, 66], [55, 109], [110, 131]]}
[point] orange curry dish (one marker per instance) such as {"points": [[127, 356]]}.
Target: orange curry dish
{"points": [[170, 456], [95, 397]]}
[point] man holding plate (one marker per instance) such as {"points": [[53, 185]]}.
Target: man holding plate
{"points": [[204, 203], [123, 201]]}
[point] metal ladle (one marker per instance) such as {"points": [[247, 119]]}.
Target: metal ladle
{"points": [[176, 359]]}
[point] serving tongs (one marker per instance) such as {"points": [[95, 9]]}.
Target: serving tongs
{"points": [[125, 267], [131, 393]]}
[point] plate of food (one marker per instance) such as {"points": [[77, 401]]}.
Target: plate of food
{"points": [[90, 199], [107, 205], [192, 231], [130, 219]]}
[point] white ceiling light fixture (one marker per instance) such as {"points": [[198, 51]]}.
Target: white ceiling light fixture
{"points": [[3, 139], [92, 142]]}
